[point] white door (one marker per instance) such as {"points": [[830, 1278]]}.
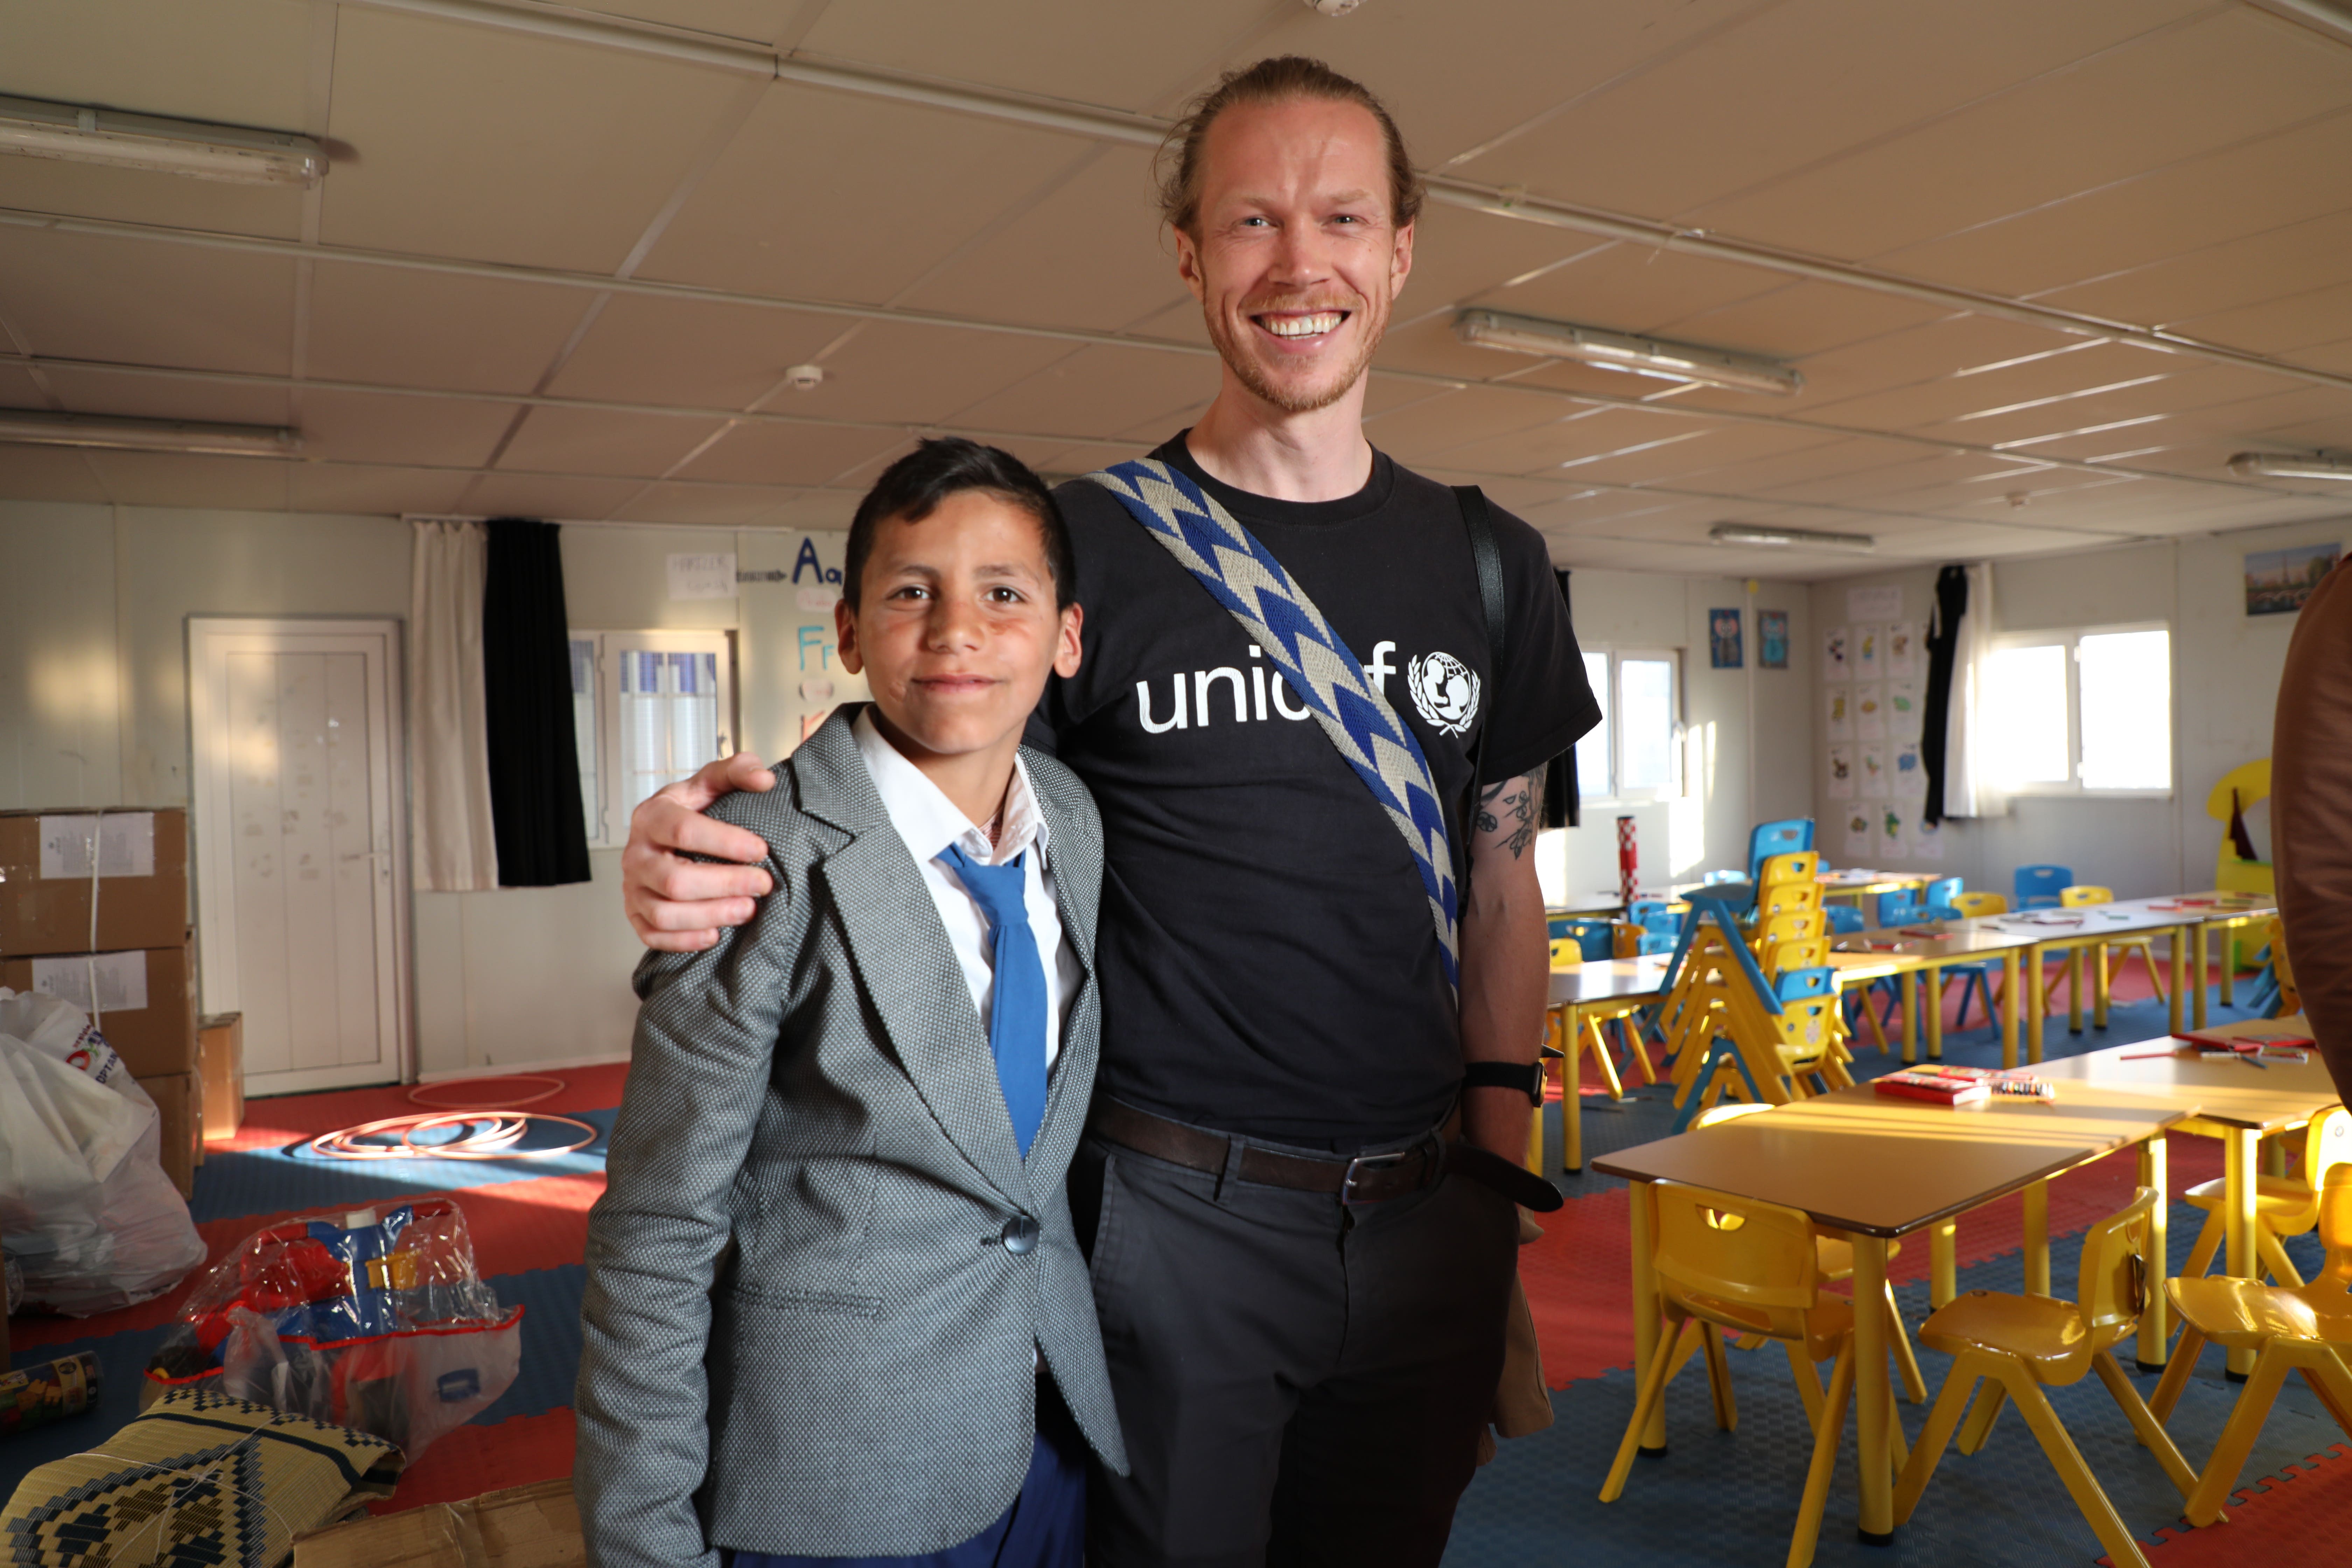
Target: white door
{"points": [[300, 852]]}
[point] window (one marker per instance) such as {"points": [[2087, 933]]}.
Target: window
{"points": [[2076, 712], [649, 709], [1631, 754]]}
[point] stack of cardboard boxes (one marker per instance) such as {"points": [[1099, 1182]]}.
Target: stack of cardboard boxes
{"points": [[94, 911]]}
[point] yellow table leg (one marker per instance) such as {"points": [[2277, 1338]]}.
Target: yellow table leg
{"points": [[1935, 1013], [2008, 979], [2037, 1239], [1536, 1138], [2229, 966], [2100, 986], [2179, 980], [2037, 1004], [2238, 1166], [1642, 1210], [2155, 1321], [1572, 1094], [1910, 988], [1943, 1265], [2196, 948], [2074, 989], [1873, 1396]]}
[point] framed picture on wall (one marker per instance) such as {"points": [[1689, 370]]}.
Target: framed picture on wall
{"points": [[1723, 639], [2279, 580], [1771, 639]]}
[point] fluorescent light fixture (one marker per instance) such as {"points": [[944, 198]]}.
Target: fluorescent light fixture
{"points": [[38, 428], [1606, 350], [34, 129], [1790, 538], [2290, 466]]}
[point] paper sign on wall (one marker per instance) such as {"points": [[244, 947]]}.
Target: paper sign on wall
{"points": [[1858, 836], [1870, 712], [1894, 835], [1841, 773], [1869, 652], [1835, 647], [1873, 771], [1903, 709], [125, 842], [120, 978], [1926, 841], [1839, 701], [1910, 778], [1903, 648], [1875, 604], [702, 576]]}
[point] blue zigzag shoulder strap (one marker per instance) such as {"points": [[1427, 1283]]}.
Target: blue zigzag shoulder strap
{"points": [[1239, 573]]}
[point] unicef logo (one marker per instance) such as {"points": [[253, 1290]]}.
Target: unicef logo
{"points": [[1444, 690]]}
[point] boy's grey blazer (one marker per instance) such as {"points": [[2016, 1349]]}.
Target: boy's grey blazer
{"points": [[803, 1331]]}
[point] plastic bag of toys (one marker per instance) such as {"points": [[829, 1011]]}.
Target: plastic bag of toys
{"points": [[374, 1318]]}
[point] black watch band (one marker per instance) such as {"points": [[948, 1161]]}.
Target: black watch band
{"points": [[1527, 1077]]}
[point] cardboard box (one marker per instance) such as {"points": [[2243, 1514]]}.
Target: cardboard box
{"points": [[45, 884], [180, 1096], [220, 1061], [537, 1526], [146, 1002]]}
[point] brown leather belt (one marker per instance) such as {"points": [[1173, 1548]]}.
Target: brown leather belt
{"points": [[1363, 1179]]}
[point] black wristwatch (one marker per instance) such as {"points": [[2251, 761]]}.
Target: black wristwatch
{"points": [[1527, 1077]]}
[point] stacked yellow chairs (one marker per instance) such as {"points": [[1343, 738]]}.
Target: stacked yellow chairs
{"points": [[1779, 1056], [1835, 1255], [2284, 1205], [2084, 897], [2018, 1345], [1972, 905], [1724, 1262], [2304, 1328]]}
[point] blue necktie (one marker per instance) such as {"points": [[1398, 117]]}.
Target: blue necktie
{"points": [[1017, 1005]]}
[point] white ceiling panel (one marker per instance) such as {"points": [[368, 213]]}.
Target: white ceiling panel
{"points": [[170, 479], [547, 496], [392, 430], [140, 302], [750, 21], [378, 324], [364, 488], [232, 62], [926, 374], [505, 147], [47, 473], [644, 350], [775, 454], [2292, 260], [1099, 391], [590, 441], [709, 505], [136, 196], [168, 397]]}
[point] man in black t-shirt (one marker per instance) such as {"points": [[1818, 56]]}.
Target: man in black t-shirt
{"points": [[1302, 1377]]}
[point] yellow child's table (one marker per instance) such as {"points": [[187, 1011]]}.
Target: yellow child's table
{"points": [[1584, 996]]}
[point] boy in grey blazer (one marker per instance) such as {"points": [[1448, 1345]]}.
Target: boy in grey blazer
{"points": [[836, 1307]]}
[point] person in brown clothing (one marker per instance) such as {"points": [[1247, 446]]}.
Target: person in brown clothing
{"points": [[2311, 815]]}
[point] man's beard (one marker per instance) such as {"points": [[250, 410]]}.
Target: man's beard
{"points": [[1252, 372]]}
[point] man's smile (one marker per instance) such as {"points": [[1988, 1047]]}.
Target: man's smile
{"points": [[1295, 325]]}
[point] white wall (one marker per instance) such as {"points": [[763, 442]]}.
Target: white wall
{"points": [[2225, 674]]}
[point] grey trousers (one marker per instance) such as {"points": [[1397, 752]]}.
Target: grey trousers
{"points": [[1299, 1382]]}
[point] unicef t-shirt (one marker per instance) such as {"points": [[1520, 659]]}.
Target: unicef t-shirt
{"points": [[1267, 962]]}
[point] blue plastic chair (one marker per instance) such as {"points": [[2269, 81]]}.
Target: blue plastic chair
{"points": [[1652, 916], [1772, 838], [1594, 938], [1902, 904], [1657, 940], [1844, 918], [2038, 887]]}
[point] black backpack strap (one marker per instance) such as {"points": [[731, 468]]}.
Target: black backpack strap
{"points": [[1486, 556]]}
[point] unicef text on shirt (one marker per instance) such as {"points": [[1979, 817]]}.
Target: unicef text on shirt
{"points": [[1444, 689]]}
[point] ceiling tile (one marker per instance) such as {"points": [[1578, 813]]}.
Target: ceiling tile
{"points": [[1425, 428], [2281, 326], [47, 473], [362, 487], [173, 480], [503, 146], [1098, 392], [358, 427], [922, 375], [18, 390], [139, 302], [553, 498], [773, 454], [1633, 289], [164, 397], [1798, 319], [645, 350], [384, 325], [232, 62], [136, 195], [821, 196], [708, 505], [2292, 260], [592, 441], [753, 21]]}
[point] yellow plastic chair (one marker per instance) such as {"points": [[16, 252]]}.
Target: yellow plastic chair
{"points": [[1724, 1262], [2284, 1205], [2304, 1328], [2018, 1345], [1788, 898], [1835, 1255], [1971, 905], [2081, 898], [1801, 867], [1792, 925]]}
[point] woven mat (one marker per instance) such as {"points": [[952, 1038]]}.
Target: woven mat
{"points": [[200, 1479]]}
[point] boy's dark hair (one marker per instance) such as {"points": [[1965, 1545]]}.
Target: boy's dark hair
{"points": [[915, 485]]}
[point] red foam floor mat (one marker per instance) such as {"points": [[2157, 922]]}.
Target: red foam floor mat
{"points": [[2300, 1518], [473, 1459]]}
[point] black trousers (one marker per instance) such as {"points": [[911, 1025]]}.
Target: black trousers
{"points": [[1299, 1382]]}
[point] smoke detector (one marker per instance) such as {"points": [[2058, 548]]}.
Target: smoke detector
{"points": [[1332, 7], [804, 377]]}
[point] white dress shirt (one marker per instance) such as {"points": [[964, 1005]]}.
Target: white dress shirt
{"points": [[929, 822]]}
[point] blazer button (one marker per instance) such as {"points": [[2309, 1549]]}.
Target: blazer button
{"points": [[1019, 1234]]}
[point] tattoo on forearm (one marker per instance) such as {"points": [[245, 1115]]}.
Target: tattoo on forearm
{"points": [[1514, 801]]}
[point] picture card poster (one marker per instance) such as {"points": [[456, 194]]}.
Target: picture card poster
{"points": [[1902, 699], [1870, 712], [1840, 709], [1835, 645], [1723, 639], [1841, 773], [1903, 648], [1873, 771], [1771, 639], [1869, 653]]}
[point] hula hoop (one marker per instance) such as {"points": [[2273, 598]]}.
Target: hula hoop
{"points": [[506, 1128], [555, 1086]]}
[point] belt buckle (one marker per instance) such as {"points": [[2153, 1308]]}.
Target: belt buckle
{"points": [[1362, 1163]]}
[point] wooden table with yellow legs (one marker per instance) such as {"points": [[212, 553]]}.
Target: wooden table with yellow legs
{"points": [[2231, 1101], [2067, 931], [1908, 955], [1878, 1170], [1584, 996]]}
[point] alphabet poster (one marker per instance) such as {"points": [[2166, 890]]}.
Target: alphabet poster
{"points": [[1869, 656], [1841, 773], [1834, 648], [1771, 639], [1910, 778], [1858, 836], [1874, 772], [1723, 639], [1894, 836], [1903, 648], [1870, 712], [1841, 706], [1927, 840], [1903, 701]]}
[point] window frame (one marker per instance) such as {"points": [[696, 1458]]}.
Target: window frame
{"points": [[1614, 706], [605, 833], [2070, 638]]}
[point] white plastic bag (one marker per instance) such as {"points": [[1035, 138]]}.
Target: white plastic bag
{"points": [[86, 1210]]}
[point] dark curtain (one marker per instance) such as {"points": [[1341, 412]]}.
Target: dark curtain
{"points": [[1560, 802], [527, 690], [1942, 649]]}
